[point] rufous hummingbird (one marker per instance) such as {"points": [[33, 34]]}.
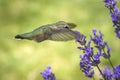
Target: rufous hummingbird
{"points": [[59, 31]]}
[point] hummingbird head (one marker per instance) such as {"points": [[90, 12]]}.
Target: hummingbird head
{"points": [[71, 25], [63, 24]]}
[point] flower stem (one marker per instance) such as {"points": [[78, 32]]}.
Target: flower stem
{"points": [[98, 68], [110, 63], [108, 59], [100, 71], [93, 78]]}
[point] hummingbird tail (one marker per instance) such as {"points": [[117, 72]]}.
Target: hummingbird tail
{"points": [[19, 37]]}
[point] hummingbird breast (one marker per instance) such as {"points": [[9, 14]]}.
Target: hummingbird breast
{"points": [[39, 38]]}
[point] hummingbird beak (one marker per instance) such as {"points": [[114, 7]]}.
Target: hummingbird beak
{"points": [[19, 37]]}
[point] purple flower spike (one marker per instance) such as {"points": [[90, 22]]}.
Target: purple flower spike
{"points": [[116, 74], [115, 15], [96, 59], [85, 66], [117, 30], [107, 74], [94, 31], [81, 40], [97, 39], [92, 53], [47, 74]]}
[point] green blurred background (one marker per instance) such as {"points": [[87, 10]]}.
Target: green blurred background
{"points": [[23, 60]]}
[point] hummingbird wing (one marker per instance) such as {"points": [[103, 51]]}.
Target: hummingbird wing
{"points": [[63, 34]]}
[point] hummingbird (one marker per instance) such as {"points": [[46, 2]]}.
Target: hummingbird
{"points": [[59, 31]]}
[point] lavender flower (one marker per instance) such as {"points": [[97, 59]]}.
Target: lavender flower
{"points": [[47, 74], [115, 15], [107, 74], [116, 74], [85, 66], [117, 30], [97, 39], [100, 44], [106, 54], [80, 39], [96, 58], [92, 54]]}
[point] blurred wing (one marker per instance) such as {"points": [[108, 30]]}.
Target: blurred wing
{"points": [[62, 34]]}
